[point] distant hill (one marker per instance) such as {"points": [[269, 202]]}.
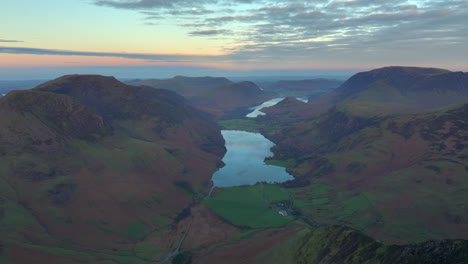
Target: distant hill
{"points": [[186, 86], [289, 108], [89, 164], [309, 88], [217, 96], [402, 89]]}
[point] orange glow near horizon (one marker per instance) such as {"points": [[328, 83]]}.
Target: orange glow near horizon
{"points": [[33, 60], [36, 61]]}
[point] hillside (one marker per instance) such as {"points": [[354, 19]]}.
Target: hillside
{"points": [[217, 96], [227, 99], [96, 168], [402, 170]]}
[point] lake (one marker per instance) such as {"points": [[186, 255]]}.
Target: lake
{"points": [[244, 161], [256, 110]]}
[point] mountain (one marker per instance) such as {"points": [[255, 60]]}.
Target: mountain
{"points": [[217, 96], [99, 170], [309, 88], [401, 89], [407, 172]]}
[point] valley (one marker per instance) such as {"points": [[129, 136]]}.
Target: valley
{"points": [[98, 171]]}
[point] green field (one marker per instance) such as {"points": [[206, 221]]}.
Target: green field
{"points": [[250, 206]]}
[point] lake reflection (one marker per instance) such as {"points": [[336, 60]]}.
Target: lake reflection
{"points": [[244, 161]]}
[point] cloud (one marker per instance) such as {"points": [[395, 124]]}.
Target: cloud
{"points": [[211, 32], [142, 4], [10, 41], [274, 31], [148, 57]]}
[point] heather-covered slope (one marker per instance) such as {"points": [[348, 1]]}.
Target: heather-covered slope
{"points": [[93, 169], [410, 171], [217, 96]]}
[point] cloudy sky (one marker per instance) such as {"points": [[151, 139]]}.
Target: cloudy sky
{"points": [[238, 35]]}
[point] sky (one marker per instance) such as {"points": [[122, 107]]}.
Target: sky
{"points": [[243, 36]]}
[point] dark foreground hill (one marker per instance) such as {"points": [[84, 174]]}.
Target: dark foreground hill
{"points": [[217, 96], [89, 164], [332, 244]]}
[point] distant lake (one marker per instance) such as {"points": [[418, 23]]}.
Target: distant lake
{"points": [[244, 161], [256, 110]]}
